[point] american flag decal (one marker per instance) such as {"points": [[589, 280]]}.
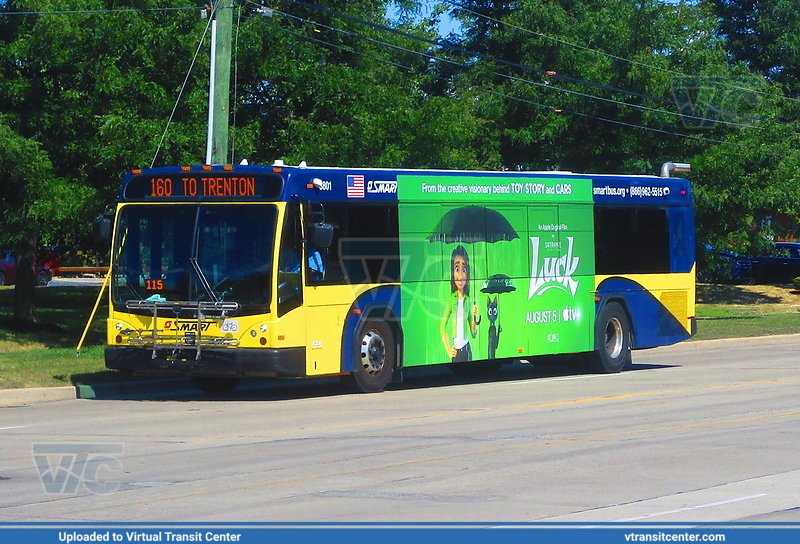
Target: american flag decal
{"points": [[355, 186]]}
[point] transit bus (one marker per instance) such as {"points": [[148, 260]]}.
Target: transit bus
{"points": [[227, 272]]}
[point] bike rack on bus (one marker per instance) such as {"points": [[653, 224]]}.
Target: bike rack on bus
{"points": [[191, 339]]}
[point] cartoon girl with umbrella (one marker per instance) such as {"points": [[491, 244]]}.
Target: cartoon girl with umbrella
{"points": [[458, 316]]}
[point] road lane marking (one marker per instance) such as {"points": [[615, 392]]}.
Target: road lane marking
{"points": [[501, 408], [698, 507]]}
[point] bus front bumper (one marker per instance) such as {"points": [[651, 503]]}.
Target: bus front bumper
{"points": [[232, 362]]}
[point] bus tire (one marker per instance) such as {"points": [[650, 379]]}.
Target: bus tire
{"points": [[374, 355], [211, 385], [612, 333]]}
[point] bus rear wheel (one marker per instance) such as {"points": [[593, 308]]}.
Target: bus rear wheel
{"points": [[374, 356], [612, 332]]}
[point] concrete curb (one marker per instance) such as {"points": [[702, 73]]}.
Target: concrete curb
{"points": [[112, 390], [15, 397]]}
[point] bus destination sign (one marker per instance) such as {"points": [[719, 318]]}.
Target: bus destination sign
{"points": [[189, 186]]}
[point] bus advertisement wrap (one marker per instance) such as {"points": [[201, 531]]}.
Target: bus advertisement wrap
{"points": [[513, 276]]}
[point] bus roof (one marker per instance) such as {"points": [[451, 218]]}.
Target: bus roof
{"points": [[278, 182]]}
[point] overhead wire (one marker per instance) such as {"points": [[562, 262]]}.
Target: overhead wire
{"points": [[445, 45], [605, 54], [479, 88], [474, 54], [183, 86], [235, 109], [548, 86], [95, 11], [483, 89]]}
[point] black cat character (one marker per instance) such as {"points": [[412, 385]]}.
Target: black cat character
{"points": [[494, 329]]}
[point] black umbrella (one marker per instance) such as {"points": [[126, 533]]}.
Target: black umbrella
{"points": [[470, 224], [498, 283]]}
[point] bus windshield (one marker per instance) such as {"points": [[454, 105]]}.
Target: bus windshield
{"points": [[195, 253]]}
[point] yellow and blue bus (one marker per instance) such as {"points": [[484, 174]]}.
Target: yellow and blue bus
{"points": [[222, 273]]}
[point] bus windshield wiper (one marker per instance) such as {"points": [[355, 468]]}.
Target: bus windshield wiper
{"points": [[203, 279]]}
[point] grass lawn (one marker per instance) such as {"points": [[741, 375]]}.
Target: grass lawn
{"points": [[737, 311], [46, 356]]}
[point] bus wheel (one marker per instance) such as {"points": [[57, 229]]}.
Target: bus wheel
{"points": [[612, 333], [373, 357], [215, 386]]}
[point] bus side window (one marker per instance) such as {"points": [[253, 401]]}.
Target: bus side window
{"points": [[315, 264], [290, 292], [365, 246], [325, 266], [370, 244], [631, 241]]}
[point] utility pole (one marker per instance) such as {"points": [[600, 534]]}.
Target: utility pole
{"points": [[220, 82]]}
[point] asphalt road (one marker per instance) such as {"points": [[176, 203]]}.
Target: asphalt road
{"points": [[699, 433]]}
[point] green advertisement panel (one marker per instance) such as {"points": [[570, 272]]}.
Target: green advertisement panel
{"points": [[495, 267]]}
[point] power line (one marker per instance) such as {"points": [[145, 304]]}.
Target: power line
{"points": [[450, 46], [603, 53], [513, 78], [488, 91], [183, 87], [95, 11], [445, 45]]}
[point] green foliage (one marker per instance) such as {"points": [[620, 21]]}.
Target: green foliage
{"points": [[25, 175], [765, 35], [95, 90], [583, 85]]}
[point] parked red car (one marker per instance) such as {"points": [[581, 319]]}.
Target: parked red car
{"points": [[8, 270]]}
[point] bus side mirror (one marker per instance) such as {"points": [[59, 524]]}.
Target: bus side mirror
{"points": [[321, 235], [102, 229]]}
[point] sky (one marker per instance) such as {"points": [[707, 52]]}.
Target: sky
{"points": [[446, 26]]}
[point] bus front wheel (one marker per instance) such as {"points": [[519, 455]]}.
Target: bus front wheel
{"points": [[373, 357], [612, 332]]}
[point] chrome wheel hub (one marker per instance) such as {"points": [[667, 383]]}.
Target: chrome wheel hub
{"points": [[614, 340], [373, 352]]}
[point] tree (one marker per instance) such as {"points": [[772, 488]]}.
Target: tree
{"points": [[569, 82], [583, 85], [25, 171], [741, 188], [765, 35], [81, 102], [96, 88], [338, 87]]}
